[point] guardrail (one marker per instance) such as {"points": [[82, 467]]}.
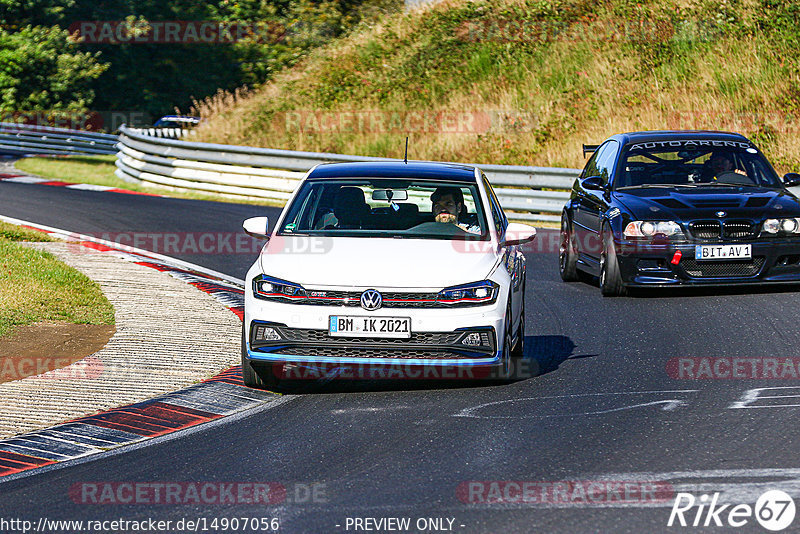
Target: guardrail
{"points": [[25, 139], [527, 193]]}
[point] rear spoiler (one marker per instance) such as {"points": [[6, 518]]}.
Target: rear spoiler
{"points": [[589, 149]]}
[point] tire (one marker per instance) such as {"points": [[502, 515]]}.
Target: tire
{"points": [[567, 252], [610, 277], [264, 378], [504, 374], [519, 348]]}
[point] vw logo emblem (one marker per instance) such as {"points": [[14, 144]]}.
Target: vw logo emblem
{"points": [[721, 214], [371, 300]]}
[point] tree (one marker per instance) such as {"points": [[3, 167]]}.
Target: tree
{"points": [[42, 69]]}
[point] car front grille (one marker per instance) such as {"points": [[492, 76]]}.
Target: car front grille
{"points": [[705, 229], [356, 352], [722, 269], [739, 229], [319, 336], [726, 230], [311, 342], [352, 299]]}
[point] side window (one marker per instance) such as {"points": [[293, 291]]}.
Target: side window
{"points": [[591, 167], [605, 161], [500, 221]]}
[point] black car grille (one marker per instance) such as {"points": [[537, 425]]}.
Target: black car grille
{"points": [[353, 352], [716, 230], [298, 335], [738, 229], [705, 229], [722, 269]]}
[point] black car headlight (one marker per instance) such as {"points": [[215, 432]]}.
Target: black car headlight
{"points": [[475, 294], [644, 229], [781, 226], [269, 288]]}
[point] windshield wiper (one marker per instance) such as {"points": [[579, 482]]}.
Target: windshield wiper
{"points": [[644, 186]]}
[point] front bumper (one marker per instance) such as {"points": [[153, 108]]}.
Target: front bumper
{"points": [[435, 341], [422, 348], [773, 261]]}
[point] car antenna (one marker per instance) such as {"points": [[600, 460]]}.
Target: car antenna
{"points": [[405, 158]]}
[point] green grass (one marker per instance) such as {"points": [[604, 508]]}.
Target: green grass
{"points": [[99, 170], [12, 232], [35, 286]]}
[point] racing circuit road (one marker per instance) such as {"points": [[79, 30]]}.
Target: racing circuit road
{"points": [[604, 407]]}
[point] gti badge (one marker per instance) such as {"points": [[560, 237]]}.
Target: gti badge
{"points": [[721, 214], [371, 300]]}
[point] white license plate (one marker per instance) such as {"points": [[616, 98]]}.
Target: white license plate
{"points": [[723, 252], [359, 326]]}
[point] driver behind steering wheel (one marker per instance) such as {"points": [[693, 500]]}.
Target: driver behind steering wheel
{"points": [[448, 207], [722, 169]]}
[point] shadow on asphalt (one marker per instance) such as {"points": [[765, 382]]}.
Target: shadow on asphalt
{"points": [[543, 354]]}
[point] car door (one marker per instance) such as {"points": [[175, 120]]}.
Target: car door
{"points": [[512, 257], [591, 204]]}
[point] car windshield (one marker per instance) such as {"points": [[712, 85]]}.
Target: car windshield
{"points": [[694, 163], [386, 208]]}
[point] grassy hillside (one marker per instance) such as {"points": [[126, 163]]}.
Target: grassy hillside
{"points": [[528, 81]]}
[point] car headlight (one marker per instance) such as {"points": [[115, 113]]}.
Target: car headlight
{"points": [[266, 287], [787, 226], [474, 294], [652, 228]]}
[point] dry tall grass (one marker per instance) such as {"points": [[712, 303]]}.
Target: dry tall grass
{"points": [[542, 99]]}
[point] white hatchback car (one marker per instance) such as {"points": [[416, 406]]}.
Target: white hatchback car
{"points": [[407, 266]]}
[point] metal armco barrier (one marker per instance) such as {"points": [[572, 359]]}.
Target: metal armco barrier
{"points": [[25, 139], [527, 193]]}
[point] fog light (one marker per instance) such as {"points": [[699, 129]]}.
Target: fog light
{"points": [[473, 339], [266, 333]]}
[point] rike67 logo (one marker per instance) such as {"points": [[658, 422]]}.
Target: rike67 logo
{"points": [[774, 510]]}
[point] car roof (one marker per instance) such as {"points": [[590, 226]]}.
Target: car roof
{"points": [[179, 118], [674, 135], [448, 172]]}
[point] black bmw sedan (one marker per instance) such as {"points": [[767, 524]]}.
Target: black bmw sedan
{"points": [[664, 208]]}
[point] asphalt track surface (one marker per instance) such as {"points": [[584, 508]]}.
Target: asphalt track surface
{"points": [[604, 406]]}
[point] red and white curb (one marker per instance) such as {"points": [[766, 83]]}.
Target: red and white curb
{"points": [[26, 179], [220, 396]]}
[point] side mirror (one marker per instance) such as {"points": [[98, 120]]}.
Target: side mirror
{"points": [[791, 179], [257, 227], [518, 234], [593, 183]]}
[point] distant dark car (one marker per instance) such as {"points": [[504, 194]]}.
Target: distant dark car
{"points": [[177, 121], [666, 208]]}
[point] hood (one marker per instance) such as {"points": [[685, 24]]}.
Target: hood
{"points": [[704, 203], [328, 262]]}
